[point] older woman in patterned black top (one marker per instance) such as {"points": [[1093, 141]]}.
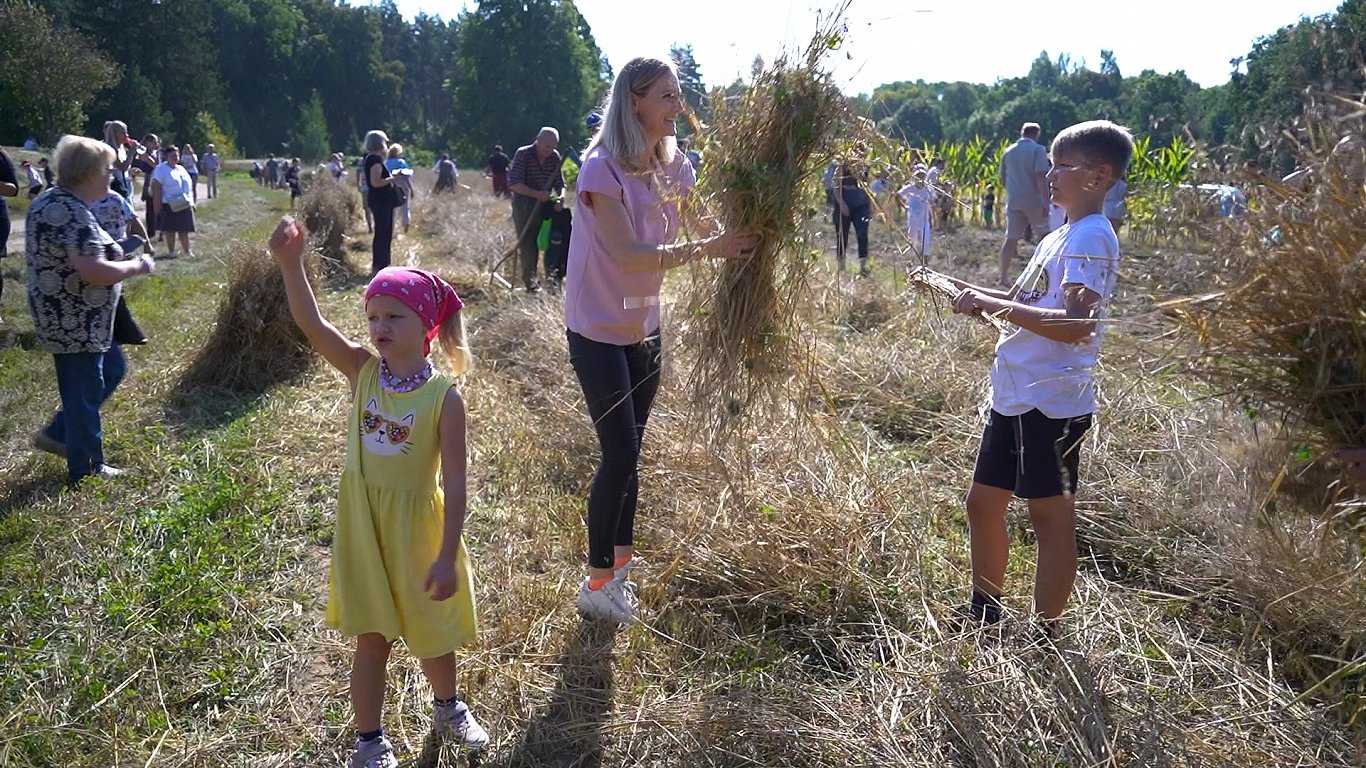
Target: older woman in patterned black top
{"points": [[74, 272]]}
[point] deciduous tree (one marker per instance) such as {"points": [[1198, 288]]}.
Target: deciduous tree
{"points": [[50, 73], [523, 64]]}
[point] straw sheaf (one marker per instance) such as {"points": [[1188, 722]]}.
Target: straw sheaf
{"points": [[745, 317], [255, 343], [327, 209], [1287, 334]]}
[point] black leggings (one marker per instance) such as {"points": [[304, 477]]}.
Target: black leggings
{"points": [[859, 217], [381, 247], [619, 385]]}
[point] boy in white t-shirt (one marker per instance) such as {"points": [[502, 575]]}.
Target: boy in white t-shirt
{"points": [[1042, 396]]}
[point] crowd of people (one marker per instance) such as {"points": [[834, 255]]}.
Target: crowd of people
{"points": [[399, 567]]}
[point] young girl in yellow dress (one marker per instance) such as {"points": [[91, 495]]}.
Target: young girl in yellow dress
{"points": [[399, 568]]}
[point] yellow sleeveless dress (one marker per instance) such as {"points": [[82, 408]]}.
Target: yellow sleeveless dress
{"points": [[390, 520]]}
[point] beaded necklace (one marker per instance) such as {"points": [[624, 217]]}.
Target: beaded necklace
{"points": [[402, 384]]}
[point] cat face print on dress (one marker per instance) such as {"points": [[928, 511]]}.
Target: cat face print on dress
{"points": [[384, 435]]}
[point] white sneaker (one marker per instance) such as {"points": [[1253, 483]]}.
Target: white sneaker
{"points": [[614, 602], [624, 571], [459, 721], [623, 575], [377, 753]]}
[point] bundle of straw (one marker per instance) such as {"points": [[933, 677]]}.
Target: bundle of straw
{"points": [[767, 149], [327, 208], [255, 342], [1288, 335], [928, 280]]}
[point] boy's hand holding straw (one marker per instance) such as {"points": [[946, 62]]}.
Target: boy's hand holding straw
{"points": [[927, 279]]}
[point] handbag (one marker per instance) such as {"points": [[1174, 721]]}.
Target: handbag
{"points": [[126, 329], [180, 202], [399, 194]]}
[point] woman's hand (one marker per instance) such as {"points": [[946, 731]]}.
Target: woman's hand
{"points": [[287, 241], [733, 245], [442, 581]]}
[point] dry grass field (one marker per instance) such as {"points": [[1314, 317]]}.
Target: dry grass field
{"points": [[796, 593]]}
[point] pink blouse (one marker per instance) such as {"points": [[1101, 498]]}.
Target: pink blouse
{"points": [[602, 301]]}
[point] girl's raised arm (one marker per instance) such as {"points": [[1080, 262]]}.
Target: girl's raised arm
{"points": [[287, 245]]}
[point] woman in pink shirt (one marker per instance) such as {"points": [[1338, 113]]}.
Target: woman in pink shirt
{"points": [[632, 189]]}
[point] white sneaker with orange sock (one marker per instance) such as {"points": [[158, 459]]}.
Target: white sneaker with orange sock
{"points": [[613, 601]]}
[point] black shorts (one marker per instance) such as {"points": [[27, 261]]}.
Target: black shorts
{"points": [[1031, 455]]}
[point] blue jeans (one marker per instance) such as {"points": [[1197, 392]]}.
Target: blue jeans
{"points": [[619, 386], [85, 380]]}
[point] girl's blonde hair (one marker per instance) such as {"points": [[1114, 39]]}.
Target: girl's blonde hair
{"points": [[451, 338], [396, 150], [621, 134]]}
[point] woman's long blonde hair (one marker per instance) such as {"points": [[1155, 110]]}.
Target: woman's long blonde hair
{"points": [[622, 135]]}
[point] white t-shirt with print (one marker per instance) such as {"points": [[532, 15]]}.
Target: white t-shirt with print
{"points": [[1031, 371]]}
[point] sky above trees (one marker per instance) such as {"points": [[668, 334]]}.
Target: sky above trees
{"points": [[939, 40]]}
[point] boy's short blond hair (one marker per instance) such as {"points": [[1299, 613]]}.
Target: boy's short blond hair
{"points": [[1100, 142]]}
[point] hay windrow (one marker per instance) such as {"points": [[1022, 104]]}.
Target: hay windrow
{"points": [[1287, 333], [255, 344], [766, 152]]}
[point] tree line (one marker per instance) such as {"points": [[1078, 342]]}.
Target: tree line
{"points": [[298, 77], [307, 77]]}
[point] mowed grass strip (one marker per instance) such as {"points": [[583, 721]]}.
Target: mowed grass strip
{"points": [[795, 603]]}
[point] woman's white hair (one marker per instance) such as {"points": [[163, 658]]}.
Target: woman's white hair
{"points": [[78, 160], [376, 141], [622, 135]]}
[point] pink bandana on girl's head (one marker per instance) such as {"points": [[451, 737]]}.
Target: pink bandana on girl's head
{"points": [[433, 299]]}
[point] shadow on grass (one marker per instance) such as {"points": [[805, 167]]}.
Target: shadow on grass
{"points": [[10, 337], [568, 731], [198, 408]]}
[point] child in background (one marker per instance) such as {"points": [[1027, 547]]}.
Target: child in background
{"points": [[292, 180], [46, 170], [1042, 395], [918, 198], [989, 207], [116, 216], [403, 177], [1115, 206], [35, 181], [399, 567]]}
